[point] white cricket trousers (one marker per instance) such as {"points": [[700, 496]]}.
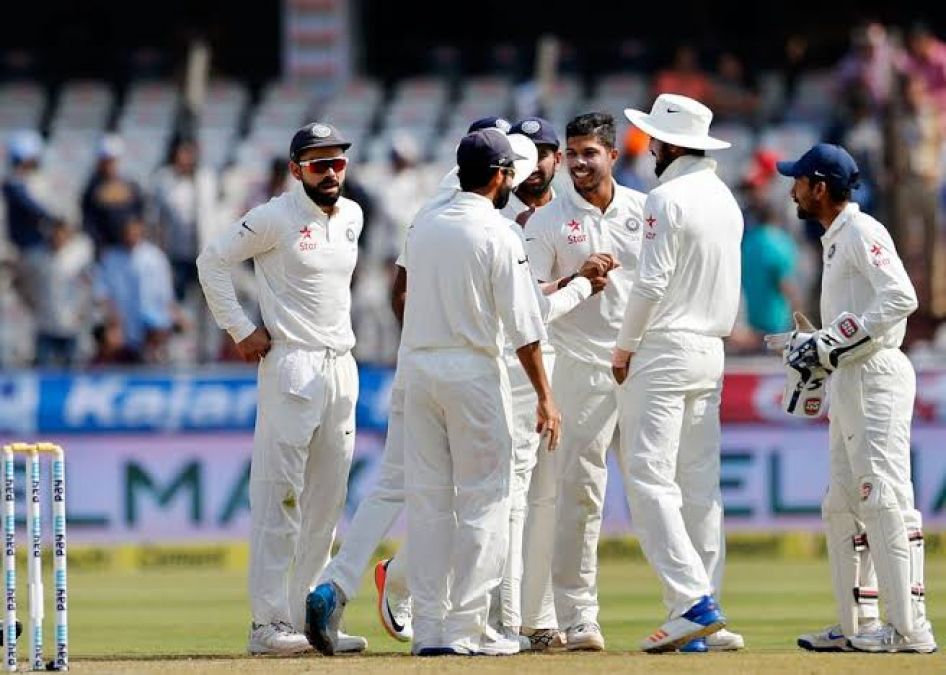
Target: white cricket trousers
{"points": [[871, 411], [526, 593], [670, 403], [458, 448], [302, 449], [587, 398], [376, 514]]}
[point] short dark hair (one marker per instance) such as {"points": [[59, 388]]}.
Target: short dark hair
{"points": [[838, 194], [597, 124], [473, 178]]}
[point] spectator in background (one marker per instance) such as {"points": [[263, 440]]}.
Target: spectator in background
{"points": [[733, 97], [917, 176], [400, 197], [27, 216], [684, 76], [185, 200], [858, 128], [628, 170], [276, 182], [55, 284], [871, 64], [134, 284], [109, 199], [926, 60]]}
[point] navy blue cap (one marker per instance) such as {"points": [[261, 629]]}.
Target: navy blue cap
{"points": [[317, 135], [539, 130], [485, 148], [492, 122], [830, 163]]}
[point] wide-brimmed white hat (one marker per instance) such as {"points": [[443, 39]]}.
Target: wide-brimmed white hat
{"points": [[523, 146], [678, 120]]}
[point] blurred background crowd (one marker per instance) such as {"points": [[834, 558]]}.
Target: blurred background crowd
{"points": [[110, 186]]}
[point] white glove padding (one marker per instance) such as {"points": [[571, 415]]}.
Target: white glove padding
{"points": [[843, 340]]}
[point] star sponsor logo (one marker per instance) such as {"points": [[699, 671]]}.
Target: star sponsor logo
{"points": [[305, 239], [879, 255], [577, 237], [650, 220]]}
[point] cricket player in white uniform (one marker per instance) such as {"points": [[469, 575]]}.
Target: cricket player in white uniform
{"points": [[304, 245], [466, 273], [866, 297], [527, 605], [377, 512], [597, 216], [669, 361]]}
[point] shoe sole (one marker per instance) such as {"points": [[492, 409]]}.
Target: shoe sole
{"points": [[380, 580], [593, 645], [317, 612], [676, 643], [926, 649], [809, 647]]}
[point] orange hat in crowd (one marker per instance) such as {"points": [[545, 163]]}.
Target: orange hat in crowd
{"points": [[763, 168], [635, 142]]}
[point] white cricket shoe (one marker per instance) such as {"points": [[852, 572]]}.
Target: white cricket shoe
{"points": [[724, 641], [349, 644], [585, 637], [701, 620], [493, 643], [323, 614], [833, 639], [544, 639], [525, 644], [887, 639], [394, 609], [276, 638]]}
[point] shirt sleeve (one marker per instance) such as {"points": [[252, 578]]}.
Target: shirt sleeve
{"points": [[540, 245], [564, 300], [255, 234], [514, 292], [895, 299]]}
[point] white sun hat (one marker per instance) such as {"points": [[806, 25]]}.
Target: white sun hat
{"points": [[678, 120], [523, 146]]}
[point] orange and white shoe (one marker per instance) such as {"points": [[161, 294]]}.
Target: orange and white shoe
{"points": [[393, 608]]}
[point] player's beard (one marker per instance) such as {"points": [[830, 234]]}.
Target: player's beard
{"points": [[318, 196], [502, 197], [535, 190]]}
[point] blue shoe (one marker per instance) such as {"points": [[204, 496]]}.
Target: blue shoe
{"points": [[702, 619], [697, 646], [323, 613]]}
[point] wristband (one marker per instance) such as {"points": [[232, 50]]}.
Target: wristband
{"points": [[563, 282]]}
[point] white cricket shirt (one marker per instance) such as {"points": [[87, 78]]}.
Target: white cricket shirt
{"points": [[466, 274], [304, 262], [864, 275], [688, 278], [560, 237]]}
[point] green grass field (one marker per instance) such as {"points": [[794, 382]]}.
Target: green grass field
{"points": [[196, 621]]}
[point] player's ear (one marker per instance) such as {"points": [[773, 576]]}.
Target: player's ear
{"points": [[613, 154], [295, 170]]}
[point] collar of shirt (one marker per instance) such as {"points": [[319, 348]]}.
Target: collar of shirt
{"points": [[847, 213], [583, 204], [474, 200], [309, 207], [687, 164]]}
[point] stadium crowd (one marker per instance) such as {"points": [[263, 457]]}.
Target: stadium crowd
{"points": [[106, 273]]}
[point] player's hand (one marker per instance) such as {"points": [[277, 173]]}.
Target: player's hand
{"points": [[255, 346], [597, 265], [550, 421], [598, 284], [621, 365]]}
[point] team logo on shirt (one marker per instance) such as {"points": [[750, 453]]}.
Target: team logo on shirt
{"points": [[576, 237], [632, 224], [832, 250], [305, 236]]}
